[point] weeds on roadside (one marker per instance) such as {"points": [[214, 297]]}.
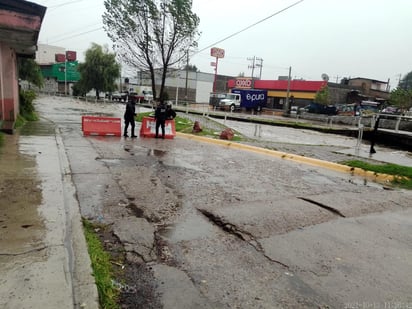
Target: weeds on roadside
{"points": [[27, 111], [102, 268], [402, 174]]}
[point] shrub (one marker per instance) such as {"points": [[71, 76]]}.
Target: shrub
{"points": [[27, 110]]}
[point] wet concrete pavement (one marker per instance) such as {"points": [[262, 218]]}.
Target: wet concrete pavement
{"points": [[208, 226], [43, 258]]}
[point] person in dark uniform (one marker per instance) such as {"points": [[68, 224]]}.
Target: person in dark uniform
{"points": [[160, 116], [129, 118], [170, 113]]}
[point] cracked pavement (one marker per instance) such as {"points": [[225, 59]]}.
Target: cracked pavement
{"points": [[208, 226]]}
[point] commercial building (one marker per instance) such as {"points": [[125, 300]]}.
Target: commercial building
{"points": [[182, 85], [59, 68], [303, 92]]}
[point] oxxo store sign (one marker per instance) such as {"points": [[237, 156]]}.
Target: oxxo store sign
{"points": [[244, 83]]}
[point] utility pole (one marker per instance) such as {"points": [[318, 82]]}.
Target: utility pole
{"points": [[260, 65], [65, 73], [187, 73], [253, 64], [286, 106]]}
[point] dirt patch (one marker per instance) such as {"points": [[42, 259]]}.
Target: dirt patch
{"points": [[135, 281]]}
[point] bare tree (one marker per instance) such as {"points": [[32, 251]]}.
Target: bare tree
{"points": [[149, 35]]}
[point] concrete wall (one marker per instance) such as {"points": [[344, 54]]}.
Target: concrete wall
{"points": [[9, 94], [203, 90], [46, 53]]}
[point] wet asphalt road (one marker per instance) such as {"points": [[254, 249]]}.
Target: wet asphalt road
{"points": [[217, 227]]}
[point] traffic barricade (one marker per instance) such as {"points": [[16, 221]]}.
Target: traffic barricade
{"points": [[148, 128], [93, 125]]}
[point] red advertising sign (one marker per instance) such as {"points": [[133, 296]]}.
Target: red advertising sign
{"points": [[217, 52], [244, 82]]}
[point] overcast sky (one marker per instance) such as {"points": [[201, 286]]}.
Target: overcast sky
{"points": [[351, 38]]}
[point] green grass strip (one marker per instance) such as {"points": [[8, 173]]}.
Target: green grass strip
{"points": [[102, 268], [402, 174]]}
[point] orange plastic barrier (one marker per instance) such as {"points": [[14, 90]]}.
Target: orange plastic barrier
{"points": [[148, 128], [92, 125]]}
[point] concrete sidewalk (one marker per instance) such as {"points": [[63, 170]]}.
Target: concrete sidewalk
{"points": [[44, 261]]}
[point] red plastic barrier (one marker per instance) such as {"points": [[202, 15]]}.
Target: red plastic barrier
{"points": [[148, 128], [92, 125]]}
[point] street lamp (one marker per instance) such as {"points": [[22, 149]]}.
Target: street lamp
{"points": [[65, 75]]}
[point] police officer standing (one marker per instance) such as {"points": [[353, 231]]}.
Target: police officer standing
{"points": [[129, 118], [170, 113], [160, 116]]}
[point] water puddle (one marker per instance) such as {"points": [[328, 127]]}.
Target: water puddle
{"points": [[22, 228], [192, 226], [156, 153]]}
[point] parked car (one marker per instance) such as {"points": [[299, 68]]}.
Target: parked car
{"points": [[120, 96], [317, 108], [346, 110], [394, 110]]}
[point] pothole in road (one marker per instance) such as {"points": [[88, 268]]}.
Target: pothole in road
{"points": [[156, 152], [138, 212]]}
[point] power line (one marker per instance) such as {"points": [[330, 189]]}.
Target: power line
{"points": [[76, 35], [250, 26], [65, 3], [71, 32]]}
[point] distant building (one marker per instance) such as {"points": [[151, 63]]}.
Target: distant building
{"points": [[46, 54], [303, 92], [355, 90], [190, 86], [371, 87], [59, 68]]}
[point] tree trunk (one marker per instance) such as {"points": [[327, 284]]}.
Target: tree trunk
{"points": [[162, 86], [153, 80]]}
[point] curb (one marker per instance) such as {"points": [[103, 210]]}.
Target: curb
{"points": [[354, 171], [85, 293]]}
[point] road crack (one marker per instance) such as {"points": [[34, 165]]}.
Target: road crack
{"points": [[241, 234], [326, 207]]}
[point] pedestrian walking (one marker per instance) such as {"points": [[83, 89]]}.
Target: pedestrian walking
{"points": [[129, 115], [160, 117]]}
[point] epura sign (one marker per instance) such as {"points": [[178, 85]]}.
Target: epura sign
{"points": [[243, 83], [255, 97]]}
